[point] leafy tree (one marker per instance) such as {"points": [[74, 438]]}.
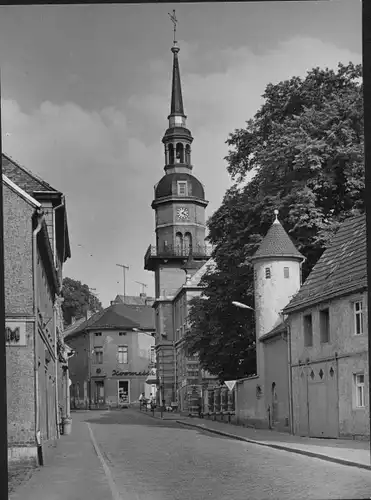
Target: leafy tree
{"points": [[77, 300], [302, 153]]}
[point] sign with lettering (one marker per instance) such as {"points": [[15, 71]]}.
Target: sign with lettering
{"points": [[15, 333], [117, 373]]}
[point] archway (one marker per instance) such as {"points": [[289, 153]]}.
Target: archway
{"points": [[171, 154], [188, 154], [178, 243], [179, 153], [187, 243]]}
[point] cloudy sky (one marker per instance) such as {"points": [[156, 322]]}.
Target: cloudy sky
{"points": [[86, 93]]}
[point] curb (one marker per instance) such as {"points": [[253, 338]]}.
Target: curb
{"points": [[279, 447]]}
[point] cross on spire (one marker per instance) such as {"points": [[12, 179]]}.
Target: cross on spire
{"points": [[174, 20]]}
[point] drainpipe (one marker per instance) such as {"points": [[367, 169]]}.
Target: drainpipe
{"points": [[41, 219], [55, 319], [291, 411]]}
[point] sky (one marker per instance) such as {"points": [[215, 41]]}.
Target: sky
{"points": [[86, 95]]}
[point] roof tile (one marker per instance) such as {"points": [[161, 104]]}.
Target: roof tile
{"points": [[342, 268], [277, 243]]}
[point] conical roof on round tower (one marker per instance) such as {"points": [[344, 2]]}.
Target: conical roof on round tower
{"points": [[277, 243]]}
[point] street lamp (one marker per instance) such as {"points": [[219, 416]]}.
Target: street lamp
{"points": [[242, 306]]}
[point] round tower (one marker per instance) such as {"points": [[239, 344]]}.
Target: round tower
{"points": [[277, 277]]}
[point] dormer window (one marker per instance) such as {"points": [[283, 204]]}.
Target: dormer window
{"points": [[182, 188]]}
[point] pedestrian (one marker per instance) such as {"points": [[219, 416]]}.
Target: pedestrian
{"points": [[142, 399]]}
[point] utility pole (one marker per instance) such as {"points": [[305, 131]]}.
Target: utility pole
{"points": [[124, 269], [143, 285]]}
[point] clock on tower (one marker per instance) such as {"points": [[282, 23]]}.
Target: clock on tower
{"points": [[182, 213]]}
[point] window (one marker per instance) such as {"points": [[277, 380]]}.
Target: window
{"points": [[122, 333], [324, 324], [98, 355], [308, 330], [153, 355], [358, 317], [182, 188], [122, 354], [267, 273], [359, 386], [98, 334], [286, 272]]}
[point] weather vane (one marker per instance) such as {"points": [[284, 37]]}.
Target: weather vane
{"points": [[174, 21]]}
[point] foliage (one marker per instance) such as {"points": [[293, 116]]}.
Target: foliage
{"points": [[302, 153], [77, 300]]}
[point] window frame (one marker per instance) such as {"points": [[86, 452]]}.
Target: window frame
{"points": [[321, 313], [185, 185], [359, 385], [356, 314], [98, 360], [286, 272], [122, 350], [308, 315]]}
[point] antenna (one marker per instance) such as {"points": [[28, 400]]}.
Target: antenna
{"points": [[174, 20], [124, 268], [143, 285]]}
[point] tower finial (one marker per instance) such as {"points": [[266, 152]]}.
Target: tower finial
{"points": [[276, 221], [174, 21]]}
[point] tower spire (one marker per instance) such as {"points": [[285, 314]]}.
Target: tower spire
{"points": [[177, 116]]}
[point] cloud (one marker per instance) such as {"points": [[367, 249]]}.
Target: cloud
{"points": [[107, 161]]}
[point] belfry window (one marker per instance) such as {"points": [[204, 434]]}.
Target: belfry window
{"points": [[188, 154], [179, 157], [171, 153], [182, 188]]}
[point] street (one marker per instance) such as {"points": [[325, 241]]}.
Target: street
{"points": [[144, 458]]}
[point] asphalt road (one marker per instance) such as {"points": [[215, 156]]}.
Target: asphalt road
{"points": [[148, 459]]}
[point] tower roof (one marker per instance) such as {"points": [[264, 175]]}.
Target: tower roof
{"points": [[176, 89], [277, 243], [168, 185]]}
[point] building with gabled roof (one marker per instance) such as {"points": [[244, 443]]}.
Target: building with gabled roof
{"points": [[36, 246], [329, 346], [114, 355]]}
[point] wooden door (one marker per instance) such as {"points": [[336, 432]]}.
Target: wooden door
{"points": [[323, 400]]}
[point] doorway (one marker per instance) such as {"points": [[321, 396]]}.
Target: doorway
{"points": [[274, 403], [99, 396], [123, 392]]}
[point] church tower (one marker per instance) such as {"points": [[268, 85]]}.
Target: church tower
{"points": [[179, 204]]}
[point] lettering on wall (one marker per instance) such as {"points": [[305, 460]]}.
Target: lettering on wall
{"points": [[15, 333], [117, 373]]}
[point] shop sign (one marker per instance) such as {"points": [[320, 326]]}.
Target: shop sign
{"points": [[117, 373]]}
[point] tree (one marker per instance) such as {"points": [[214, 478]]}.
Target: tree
{"points": [[78, 300], [303, 150]]}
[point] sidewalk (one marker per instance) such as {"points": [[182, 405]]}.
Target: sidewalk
{"points": [[343, 451], [73, 473]]}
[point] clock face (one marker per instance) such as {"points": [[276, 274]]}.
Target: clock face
{"points": [[182, 213]]}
